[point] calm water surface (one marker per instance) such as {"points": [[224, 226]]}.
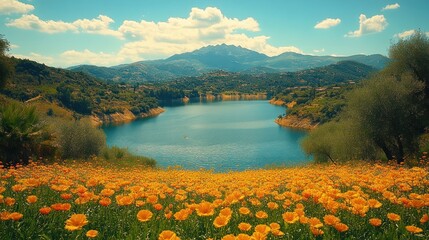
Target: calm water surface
{"points": [[224, 135]]}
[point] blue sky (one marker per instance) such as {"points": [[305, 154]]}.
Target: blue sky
{"points": [[64, 33]]}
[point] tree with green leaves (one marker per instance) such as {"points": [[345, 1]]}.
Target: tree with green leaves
{"points": [[6, 68]]}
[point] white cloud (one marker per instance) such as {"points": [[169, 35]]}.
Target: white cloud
{"points": [[373, 24], [37, 57], [391, 7], [35, 23], [319, 50], [99, 25], [405, 34], [328, 23], [73, 57], [201, 28], [14, 6], [153, 40]]}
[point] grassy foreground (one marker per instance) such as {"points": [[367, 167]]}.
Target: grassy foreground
{"points": [[80, 201]]}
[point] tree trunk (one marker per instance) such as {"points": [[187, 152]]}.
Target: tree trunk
{"points": [[400, 155], [386, 150]]}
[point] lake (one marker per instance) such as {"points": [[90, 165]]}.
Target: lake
{"points": [[221, 135]]}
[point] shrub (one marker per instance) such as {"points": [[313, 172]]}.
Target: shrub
{"points": [[80, 140]]}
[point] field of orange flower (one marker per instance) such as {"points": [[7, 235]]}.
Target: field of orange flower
{"points": [[79, 201]]}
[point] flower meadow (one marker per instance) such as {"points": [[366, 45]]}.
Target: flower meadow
{"points": [[85, 201]]}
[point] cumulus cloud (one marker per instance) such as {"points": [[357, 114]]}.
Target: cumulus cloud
{"points": [[14, 6], [99, 25], [373, 24], [153, 40], [391, 7], [201, 28], [328, 23]]}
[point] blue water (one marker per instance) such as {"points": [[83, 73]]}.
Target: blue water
{"points": [[223, 135]]}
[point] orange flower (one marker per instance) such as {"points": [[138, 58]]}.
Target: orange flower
{"points": [[66, 196], [92, 233], [274, 226], [244, 210], [31, 199], [122, 200], [376, 222], [373, 203], [244, 226], [105, 202], [61, 206], [181, 215], [144, 215], [221, 221], [341, 227], [277, 232], [290, 217], [259, 236], [45, 210], [316, 231], [393, 217], [262, 228], [168, 235], [228, 237], [205, 209], [272, 205], [76, 222], [261, 214], [152, 199], [243, 236], [4, 216], [424, 218], [413, 229], [315, 222], [227, 212], [9, 201], [15, 216], [158, 206], [331, 220], [107, 192]]}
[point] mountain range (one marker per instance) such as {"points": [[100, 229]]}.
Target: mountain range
{"points": [[219, 57]]}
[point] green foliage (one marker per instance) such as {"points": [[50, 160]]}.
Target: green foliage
{"points": [[6, 68], [382, 115], [411, 56], [20, 133], [80, 140], [121, 157]]}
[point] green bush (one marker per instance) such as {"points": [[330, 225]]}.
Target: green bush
{"points": [[80, 140], [20, 133], [122, 157]]}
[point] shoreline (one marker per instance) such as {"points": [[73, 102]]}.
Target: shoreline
{"points": [[295, 122], [121, 118]]}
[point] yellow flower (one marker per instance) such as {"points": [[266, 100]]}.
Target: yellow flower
{"points": [[144, 215], [181, 215], [272, 205], [244, 226], [92, 233], [168, 235], [413, 229], [227, 212], [76, 222]]}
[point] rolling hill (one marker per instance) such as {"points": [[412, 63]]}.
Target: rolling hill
{"points": [[220, 57]]}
